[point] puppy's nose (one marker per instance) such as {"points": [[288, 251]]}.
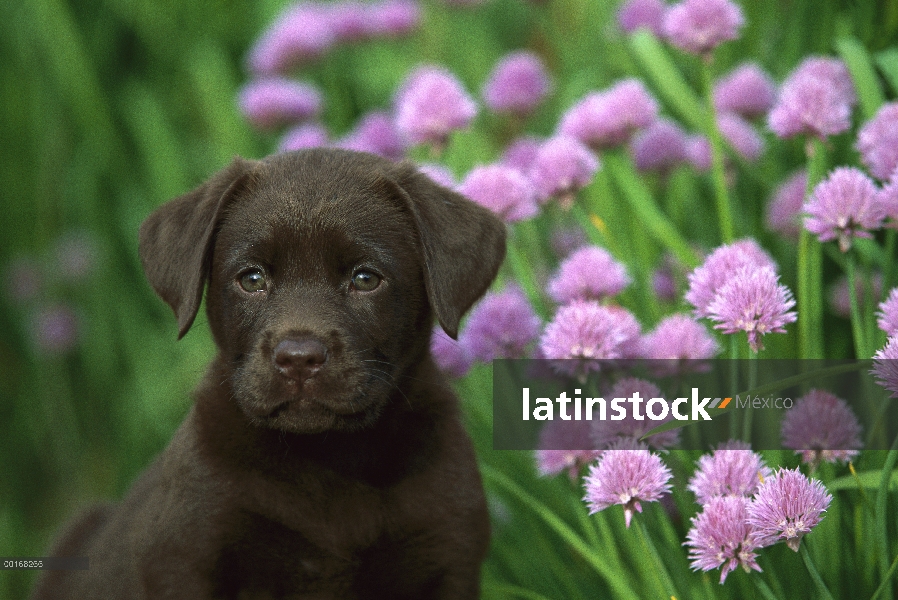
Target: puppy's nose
{"points": [[299, 359]]}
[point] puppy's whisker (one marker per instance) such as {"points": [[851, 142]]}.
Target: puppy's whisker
{"points": [[387, 373], [383, 362], [404, 376], [391, 382]]}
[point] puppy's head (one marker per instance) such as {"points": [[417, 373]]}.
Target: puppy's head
{"points": [[324, 269]]}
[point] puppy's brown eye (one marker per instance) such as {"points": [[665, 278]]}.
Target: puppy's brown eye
{"points": [[365, 281], [253, 281]]}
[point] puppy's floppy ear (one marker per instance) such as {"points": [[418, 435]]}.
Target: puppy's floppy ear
{"points": [[176, 239], [462, 242]]}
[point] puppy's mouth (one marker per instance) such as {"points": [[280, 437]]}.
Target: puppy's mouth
{"points": [[313, 415], [337, 407], [285, 402], [278, 410]]}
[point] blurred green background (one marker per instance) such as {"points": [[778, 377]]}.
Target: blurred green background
{"points": [[111, 107]]}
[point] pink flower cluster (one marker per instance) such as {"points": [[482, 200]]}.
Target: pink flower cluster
{"points": [[844, 206], [738, 288], [815, 100], [588, 327], [628, 477], [609, 118], [746, 507], [695, 26], [308, 29]]}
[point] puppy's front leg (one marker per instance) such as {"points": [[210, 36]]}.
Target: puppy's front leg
{"points": [[177, 520]]}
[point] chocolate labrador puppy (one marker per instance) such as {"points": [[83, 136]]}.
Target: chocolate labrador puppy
{"points": [[324, 456]]}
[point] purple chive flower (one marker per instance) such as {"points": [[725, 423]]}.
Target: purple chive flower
{"points": [[586, 332], [609, 118], [699, 26], [698, 152], [517, 85], [605, 434], [740, 134], [888, 314], [659, 147], [565, 446], [628, 478], [787, 506], [590, 273], [842, 207], [567, 240], [877, 141], [521, 153], [636, 14], [679, 337], [394, 18], [755, 302], [816, 99], [269, 103], [840, 300], [731, 470], [809, 106], [431, 104], [307, 135], [820, 426], [562, 166], [352, 20], [450, 356], [747, 91], [784, 208], [707, 279], [302, 33], [440, 174], [54, 329], [885, 366], [375, 133], [348, 20], [831, 70], [501, 325], [721, 537], [503, 190]]}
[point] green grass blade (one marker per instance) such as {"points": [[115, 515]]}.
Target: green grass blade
{"points": [[667, 79], [887, 580], [866, 83], [591, 555], [887, 61], [640, 201]]}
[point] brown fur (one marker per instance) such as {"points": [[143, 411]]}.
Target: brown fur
{"points": [[341, 470]]}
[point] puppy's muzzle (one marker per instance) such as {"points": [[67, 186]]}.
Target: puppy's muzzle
{"points": [[299, 359]]}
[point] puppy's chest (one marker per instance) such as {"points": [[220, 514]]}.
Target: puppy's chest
{"points": [[349, 557], [262, 557]]}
